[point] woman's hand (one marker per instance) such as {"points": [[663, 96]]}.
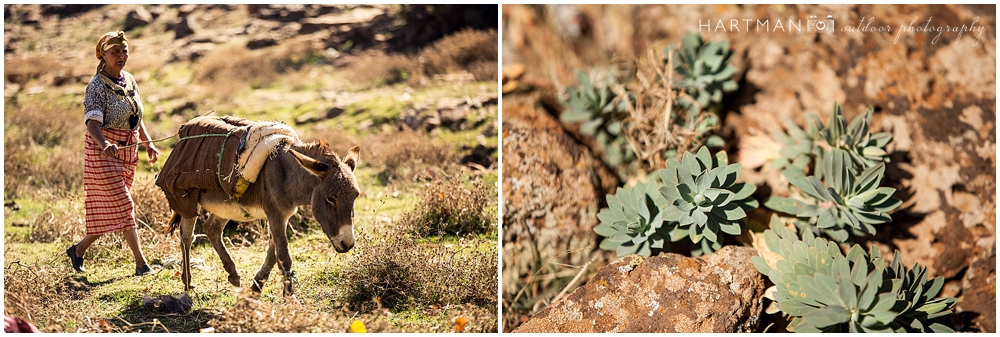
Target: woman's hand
{"points": [[152, 152], [110, 149]]}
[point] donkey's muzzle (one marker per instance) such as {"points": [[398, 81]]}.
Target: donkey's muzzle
{"points": [[344, 241]]}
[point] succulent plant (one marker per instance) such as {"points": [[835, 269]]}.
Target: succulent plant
{"points": [[842, 202], [704, 198], [826, 291], [632, 223], [599, 111], [806, 149], [798, 147], [864, 149], [706, 73]]}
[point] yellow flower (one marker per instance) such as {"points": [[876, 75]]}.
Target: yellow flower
{"points": [[358, 327]]}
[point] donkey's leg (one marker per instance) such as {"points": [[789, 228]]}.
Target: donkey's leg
{"points": [[265, 269], [187, 238], [279, 239], [213, 229]]}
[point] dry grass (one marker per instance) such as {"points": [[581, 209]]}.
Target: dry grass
{"points": [[408, 156], [474, 51], [649, 131], [38, 65], [447, 207], [232, 69], [151, 207], [389, 269], [43, 148], [339, 140], [471, 51], [253, 315], [256, 316], [28, 291], [376, 68]]}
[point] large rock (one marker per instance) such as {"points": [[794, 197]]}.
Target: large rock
{"points": [[67, 10], [719, 292], [138, 17], [552, 192], [184, 27]]}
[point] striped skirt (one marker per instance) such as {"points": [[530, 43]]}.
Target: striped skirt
{"points": [[107, 183]]}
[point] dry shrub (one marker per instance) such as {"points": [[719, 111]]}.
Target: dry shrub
{"points": [[376, 68], [28, 293], [28, 169], [388, 268], [474, 51], [409, 155], [31, 66], [151, 205], [62, 220], [338, 139], [448, 207], [43, 148], [231, 69], [253, 315]]}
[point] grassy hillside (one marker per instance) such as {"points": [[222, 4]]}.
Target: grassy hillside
{"points": [[426, 257]]}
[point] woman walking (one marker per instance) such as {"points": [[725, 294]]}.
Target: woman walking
{"points": [[113, 115]]}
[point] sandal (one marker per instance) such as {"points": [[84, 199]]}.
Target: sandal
{"points": [[76, 261]]}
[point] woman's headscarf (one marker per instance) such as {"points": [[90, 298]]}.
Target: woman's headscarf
{"points": [[107, 41]]}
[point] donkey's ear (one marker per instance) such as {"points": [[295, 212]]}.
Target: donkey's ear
{"points": [[352, 157], [312, 165]]}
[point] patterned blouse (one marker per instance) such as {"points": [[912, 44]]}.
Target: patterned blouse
{"points": [[114, 105]]}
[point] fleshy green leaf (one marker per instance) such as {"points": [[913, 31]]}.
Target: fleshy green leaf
{"points": [[783, 205]]}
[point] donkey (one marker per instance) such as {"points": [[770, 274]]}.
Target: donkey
{"points": [[296, 175]]}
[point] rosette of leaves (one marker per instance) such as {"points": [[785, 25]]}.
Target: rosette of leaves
{"points": [[706, 73], [805, 149], [798, 146], [633, 222], [826, 291], [842, 203], [863, 148], [704, 198], [595, 106]]}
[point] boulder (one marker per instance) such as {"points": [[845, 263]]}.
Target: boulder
{"points": [[191, 52], [261, 42], [719, 292], [480, 155], [332, 112], [553, 188], [138, 17], [184, 27], [64, 11]]}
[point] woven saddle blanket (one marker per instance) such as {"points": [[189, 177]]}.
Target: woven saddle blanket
{"points": [[221, 154]]}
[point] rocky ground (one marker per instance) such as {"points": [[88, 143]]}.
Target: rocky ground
{"points": [[935, 93]]}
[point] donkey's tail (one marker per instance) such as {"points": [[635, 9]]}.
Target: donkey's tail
{"points": [[175, 221]]}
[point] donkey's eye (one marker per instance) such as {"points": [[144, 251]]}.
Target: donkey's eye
{"points": [[331, 200]]}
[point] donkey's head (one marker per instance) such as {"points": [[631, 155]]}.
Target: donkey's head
{"points": [[333, 198]]}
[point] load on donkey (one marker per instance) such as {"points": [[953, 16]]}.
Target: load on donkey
{"points": [[241, 170]]}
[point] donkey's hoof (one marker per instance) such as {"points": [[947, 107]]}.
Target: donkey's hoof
{"points": [[257, 286], [234, 280]]}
